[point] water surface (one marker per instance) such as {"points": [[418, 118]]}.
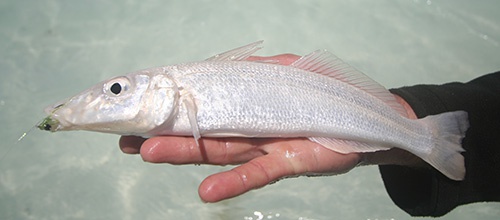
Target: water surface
{"points": [[52, 49]]}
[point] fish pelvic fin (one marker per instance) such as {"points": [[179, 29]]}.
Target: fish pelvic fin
{"points": [[325, 63], [448, 130], [237, 54]]}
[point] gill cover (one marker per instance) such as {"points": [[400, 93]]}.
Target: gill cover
{"points": [[159, 102]]}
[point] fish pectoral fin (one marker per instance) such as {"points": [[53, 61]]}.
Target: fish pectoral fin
{"points": [[237, 54], [190, 105], [346, 146]]}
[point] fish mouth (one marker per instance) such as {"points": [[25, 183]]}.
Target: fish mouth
{"points": [[49, 124]]}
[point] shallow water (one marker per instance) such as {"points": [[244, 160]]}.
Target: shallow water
{"points": [[54, 49]]}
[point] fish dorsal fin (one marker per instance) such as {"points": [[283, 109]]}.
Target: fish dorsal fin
{"points": [[325, 63], [237, 54]]}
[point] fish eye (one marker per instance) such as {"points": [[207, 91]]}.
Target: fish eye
{"points": [[117, 86]]}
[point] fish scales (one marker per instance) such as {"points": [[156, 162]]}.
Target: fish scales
{"points": [[286, 101]]}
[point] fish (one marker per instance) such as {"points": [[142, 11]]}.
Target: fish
{"points": [[318, 97]]}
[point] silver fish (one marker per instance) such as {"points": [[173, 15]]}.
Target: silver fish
{"points": [[318, 96]]}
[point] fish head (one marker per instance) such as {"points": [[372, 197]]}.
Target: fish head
{"points": [[128, 105]]}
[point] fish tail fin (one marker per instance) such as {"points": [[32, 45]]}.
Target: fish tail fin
{"points": [[448, 130]]}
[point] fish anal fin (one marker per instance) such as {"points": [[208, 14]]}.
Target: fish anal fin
{"points": [[325, 63], [346, 146], [237, 54]]}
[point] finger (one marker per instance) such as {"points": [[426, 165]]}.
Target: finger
{"points": [[252, 175], [130, 144], [217, 151], [299, 157]]}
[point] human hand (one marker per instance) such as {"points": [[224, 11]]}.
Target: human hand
{"points": [[261, 160]]}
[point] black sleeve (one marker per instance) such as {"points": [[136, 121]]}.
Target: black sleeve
{"points": [[422, 192]]}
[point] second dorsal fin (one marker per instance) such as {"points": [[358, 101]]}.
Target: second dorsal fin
{"points": [[325, 63]]}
